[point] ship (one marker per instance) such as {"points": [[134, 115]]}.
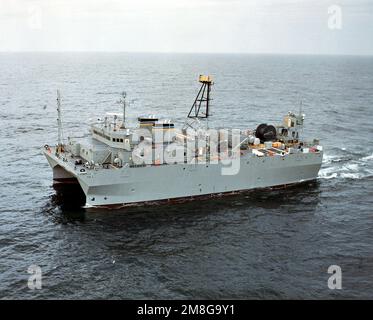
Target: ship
{"points": [[153, 161]]}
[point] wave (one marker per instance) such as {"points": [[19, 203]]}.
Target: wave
{"points": [[336, 167], [330, 158], [367, 158]]}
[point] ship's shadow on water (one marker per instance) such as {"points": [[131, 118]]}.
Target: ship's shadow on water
{"points": [[67, 204]]}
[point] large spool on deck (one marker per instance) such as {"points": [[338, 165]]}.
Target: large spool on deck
{"points": [[266, 132]]}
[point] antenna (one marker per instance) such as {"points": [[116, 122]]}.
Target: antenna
{"points": [[115, 122], [59, 120], [122, 101], [300, 117]]}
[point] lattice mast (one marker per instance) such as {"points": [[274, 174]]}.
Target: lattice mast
{"points": [[201, 106]]}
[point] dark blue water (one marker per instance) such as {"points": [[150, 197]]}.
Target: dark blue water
{"points": [[276, 244]]}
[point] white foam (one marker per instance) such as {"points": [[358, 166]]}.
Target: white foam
{"points": [[324, 176], [329, 158], [352, 170], [367, 158], [350, 175], [351, 167], [327, 173]]}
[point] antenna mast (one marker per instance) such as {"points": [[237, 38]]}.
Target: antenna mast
{"points": [[203, 97], [59, 120], [122, 101]]}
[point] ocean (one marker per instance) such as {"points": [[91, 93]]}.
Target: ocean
{"points": [[261, 244]]}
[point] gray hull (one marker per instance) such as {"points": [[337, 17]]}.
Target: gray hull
{"points": [[130, 185]]}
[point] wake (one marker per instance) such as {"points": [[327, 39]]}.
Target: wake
{"points": [[339, 167]]}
